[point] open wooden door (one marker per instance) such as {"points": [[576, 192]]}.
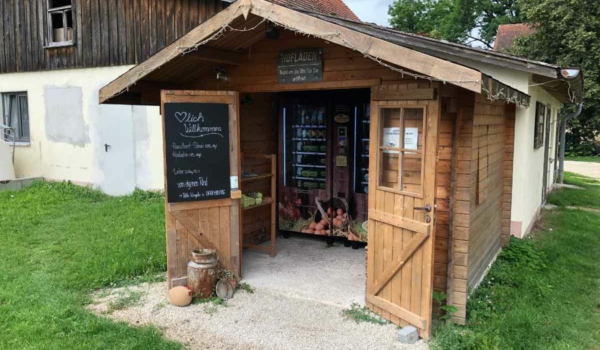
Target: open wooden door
{"points": [[402, 170], [202, 169]]}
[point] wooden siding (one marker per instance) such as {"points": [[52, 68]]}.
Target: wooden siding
{"points": [[106, 32], [478, 195], [509, 149], [462, 182], [486, 215], [446, 152]]}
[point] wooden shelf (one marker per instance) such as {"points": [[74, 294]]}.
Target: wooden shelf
{"points": [[256, 178], [247, 221], [266, 201]]}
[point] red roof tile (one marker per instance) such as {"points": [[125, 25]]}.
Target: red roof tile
{"points": [[327, 7], [507, 33]]}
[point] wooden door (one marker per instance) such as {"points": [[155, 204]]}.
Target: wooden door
{"points": [[212, 223], [402, 171]]}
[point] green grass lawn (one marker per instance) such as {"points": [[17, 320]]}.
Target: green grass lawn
{"points": [[59, 242], [542, 292], [590, 197], [584, 159]]}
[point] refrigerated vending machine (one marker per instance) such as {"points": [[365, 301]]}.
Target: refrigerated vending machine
{"points": [[323, 165]]}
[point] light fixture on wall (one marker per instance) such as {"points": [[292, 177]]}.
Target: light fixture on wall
{"points": [[271, 31], [221, 73]]}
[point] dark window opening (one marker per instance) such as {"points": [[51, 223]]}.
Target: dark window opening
{"points": [[60, 22], [59, 3], [538, 137], [15, 112]]}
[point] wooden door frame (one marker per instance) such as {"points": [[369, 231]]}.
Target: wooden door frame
{"points": [[175, 212], [547, 133]]}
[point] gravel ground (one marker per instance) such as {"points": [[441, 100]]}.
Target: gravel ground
{"points": [[584, 168], [306, 268], [297, 303], [261, 320]]}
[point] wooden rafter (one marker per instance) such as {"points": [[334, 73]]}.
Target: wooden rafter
{"points": [[385, 51]]}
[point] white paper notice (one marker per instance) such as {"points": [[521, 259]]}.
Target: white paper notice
{"points": [[411, 138], [234, 182], [391, 138]]}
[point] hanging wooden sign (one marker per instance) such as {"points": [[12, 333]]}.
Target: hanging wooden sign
{"points": [[197, 151], [300, 66]]}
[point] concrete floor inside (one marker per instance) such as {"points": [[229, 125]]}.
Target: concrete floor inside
{"points": [[306, 268]]}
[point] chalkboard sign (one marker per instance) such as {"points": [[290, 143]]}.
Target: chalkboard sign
{"points": [[197, 151], [300, 66]]}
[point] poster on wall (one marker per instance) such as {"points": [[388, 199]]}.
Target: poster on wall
{"points": [[197, 151]]}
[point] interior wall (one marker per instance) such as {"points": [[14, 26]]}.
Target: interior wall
{"points": [[258, 135]]}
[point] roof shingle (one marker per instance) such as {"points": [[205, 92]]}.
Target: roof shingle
{"points": [[507, 33], [328, 7]]}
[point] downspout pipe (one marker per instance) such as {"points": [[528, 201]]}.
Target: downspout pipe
{"points": [[563, 137]]}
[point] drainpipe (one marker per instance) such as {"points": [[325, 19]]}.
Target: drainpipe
{"points": [[563, 136]]}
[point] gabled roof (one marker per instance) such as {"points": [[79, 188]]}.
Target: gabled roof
{"points": [[507, 33], [328, 7], [254, 14], [547, 75], [426, 56]]}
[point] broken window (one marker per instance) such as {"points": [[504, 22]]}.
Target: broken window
{"points": [[60, 22]]}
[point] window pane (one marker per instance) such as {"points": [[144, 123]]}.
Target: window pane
{"points": [[24, 117], [390, 161], [390, 118], [413, 129], [57, 27], [411, 172]]}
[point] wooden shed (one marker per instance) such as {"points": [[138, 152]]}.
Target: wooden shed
{"points": [[439, 148]]}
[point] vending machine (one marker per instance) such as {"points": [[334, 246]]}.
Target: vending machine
{"points": [[320, 141]]}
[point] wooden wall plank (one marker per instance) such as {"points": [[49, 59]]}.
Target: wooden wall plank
{"points": [[105, 33]]}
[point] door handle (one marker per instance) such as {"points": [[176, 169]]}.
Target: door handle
{"points": [[426, 208]]}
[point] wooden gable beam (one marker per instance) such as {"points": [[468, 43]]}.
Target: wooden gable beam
{"points": [[398, 55], [172, 51]]}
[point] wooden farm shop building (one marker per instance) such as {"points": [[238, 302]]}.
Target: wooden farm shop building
{"points": [[279, 121]]}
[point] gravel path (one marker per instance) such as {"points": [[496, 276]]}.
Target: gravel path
{"points": [[306, 268], [584, 168], [261, 320]]}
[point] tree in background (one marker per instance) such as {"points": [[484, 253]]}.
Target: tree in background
{"points": [[568, 34], [461, 21]]}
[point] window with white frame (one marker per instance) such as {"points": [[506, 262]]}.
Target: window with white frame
{"points": [[60, 22], [15, 112]]}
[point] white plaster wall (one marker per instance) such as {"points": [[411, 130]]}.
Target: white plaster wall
{"points": [[528, 166], [84, 163]]}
